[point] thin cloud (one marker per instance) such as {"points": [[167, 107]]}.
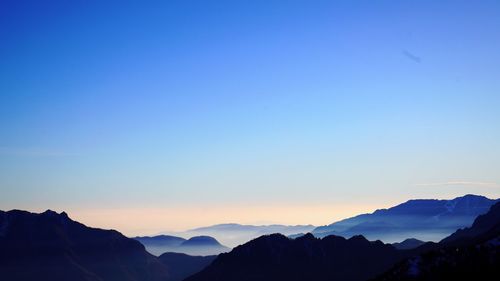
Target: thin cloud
{"points": [[461, 183], [411, 56]]}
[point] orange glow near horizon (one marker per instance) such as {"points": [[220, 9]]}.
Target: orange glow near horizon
{"points": [[151, 221]]}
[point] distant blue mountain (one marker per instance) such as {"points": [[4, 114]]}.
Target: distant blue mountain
{"points": [[197, 245], [233, 234], [161, 240], [201, 241], [428, 220], [276, 257], [468, 254]]}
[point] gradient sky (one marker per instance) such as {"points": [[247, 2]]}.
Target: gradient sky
{"points": [[150, 116]]}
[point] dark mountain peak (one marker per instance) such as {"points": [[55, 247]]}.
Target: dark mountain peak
{"points": [[50, 212], [62, 217], [307, 236], [472, 196], [358, 239], [269, 238], [409, 243]]}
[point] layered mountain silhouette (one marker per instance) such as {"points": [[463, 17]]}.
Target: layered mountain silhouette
{"points": [[468, 254], [181, 266], [410, 243], [197, 245], [277, 257], [233, 234], [52, 247], [427, 220]]}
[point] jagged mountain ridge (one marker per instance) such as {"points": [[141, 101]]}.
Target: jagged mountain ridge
{"points": [[276, 257]]}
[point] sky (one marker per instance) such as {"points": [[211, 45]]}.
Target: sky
{"points": [[150, 116]]}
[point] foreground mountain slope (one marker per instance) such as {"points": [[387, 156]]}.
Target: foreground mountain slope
{"points": [[427, 220], [181, 266], [276, 257], [468, 254], [50, 246]]}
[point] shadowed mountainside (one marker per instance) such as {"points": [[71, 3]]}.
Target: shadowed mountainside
{"points": [[181, 266], [52, 247], [471, 252]]}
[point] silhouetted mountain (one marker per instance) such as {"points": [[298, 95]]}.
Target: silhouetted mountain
{"points": [[181, 266], [50, 246], [233, 234], [276, 257], [428, 220], [160, 244], [468, 254], [410, 243], [202, 245], [201, 241]]}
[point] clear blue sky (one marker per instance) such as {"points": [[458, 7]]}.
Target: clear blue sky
{"points": [[180, 104]]}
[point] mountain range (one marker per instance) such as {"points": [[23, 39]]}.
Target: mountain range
{"points": [[423, 219], [51, 247], [468, 254], [472, 252], [233, 234], [276, 257], [197, 245]]}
